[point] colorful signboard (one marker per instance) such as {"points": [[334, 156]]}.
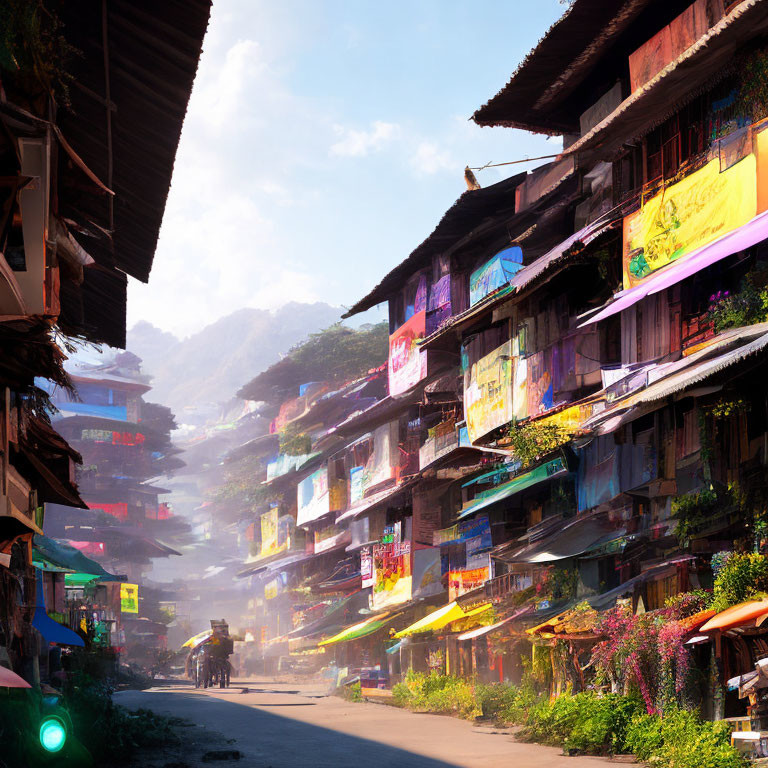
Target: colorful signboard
{"points": [[313, 500], [112, 437], [427, 572], [118, 509], [495, 274], [129, 598], [407, 363], [488, 392], [476, 572], [700, 208], [392, 574]]}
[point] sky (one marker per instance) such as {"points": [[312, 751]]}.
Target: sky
{"points": [[324, 140]]}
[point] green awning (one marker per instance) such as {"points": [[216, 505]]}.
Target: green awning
{"points": [[356, 631], [548, 471], [52, 555]]}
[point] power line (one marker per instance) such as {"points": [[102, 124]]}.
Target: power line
{"points": [[515, 162]]}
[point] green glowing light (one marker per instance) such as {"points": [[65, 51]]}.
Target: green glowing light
{"points": [[53, 734]]}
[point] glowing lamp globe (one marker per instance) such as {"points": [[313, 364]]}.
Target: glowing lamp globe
{"points": [[53, 734]]}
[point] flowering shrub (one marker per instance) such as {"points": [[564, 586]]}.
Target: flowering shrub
{"points": [[645, 653], [747, 307]]}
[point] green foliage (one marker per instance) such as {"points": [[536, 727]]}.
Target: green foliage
{"points": [[33, 49], [504, 703], [743, 576], [752, 97], [680, 739], [295, 443], [584, 722], [108, 731], [353, 693], [746, 307], [562, 583], [335, 355], [443, 694], [531, 441], [693, 511]]}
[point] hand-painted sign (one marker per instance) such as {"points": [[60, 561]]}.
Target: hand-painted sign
{"points": [[704, 206], [313, 500], [129, 598], [392, 574], [488, 392], [407, 363], [495, 274]]}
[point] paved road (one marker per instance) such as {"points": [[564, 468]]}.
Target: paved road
{"points": [[282, 726]]}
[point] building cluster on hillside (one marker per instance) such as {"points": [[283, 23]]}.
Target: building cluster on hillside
{"points": [[572, 415], [92, 99]]}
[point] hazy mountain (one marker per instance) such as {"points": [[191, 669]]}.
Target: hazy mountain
{"points": [[211, 365]]}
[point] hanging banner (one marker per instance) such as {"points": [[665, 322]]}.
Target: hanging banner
{"points": [[495, 274], [488, 391], [465, 580], [427, 572], [366, 567], [702, 207], [269, 532], [407, 363], [313, 500], [392, 574], [129, 598]]}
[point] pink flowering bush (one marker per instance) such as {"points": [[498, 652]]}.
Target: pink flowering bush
{"points": [[645, 653]]}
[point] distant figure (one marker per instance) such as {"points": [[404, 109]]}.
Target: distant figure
{"points": [[332, 673]]}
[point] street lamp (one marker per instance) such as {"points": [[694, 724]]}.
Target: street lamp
{"points": [[53, 734]]}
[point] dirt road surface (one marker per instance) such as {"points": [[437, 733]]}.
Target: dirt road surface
{"points": [[291, 726]]}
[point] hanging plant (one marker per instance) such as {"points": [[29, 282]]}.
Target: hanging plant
{"points": [[532, 441]]}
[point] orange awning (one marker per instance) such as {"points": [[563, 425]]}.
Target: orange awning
{"points": [[737, 616]]}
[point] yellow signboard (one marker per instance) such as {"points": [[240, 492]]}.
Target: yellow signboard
{"points": [[269, 532], [488, 392], [702, 207], [129, 598], [271, 589]]}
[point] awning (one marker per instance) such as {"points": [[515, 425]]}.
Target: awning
{"points": [[442, 616], [575, 537], [753, 232], [9, 679], [356, 631], [741, 615], [51, 630], [338, 614], [480, 631], [50, 552], [548, 471], [544, 263]]}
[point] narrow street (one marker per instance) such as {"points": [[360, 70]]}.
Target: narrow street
{"points": [[286, 726]]}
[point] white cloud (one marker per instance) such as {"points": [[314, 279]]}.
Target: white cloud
{"points": [[429, 159], [354, 143]]}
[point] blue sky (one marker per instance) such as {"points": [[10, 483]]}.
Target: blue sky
{"points": [[323, 142]]}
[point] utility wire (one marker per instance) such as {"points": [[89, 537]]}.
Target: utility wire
{"points": [[515, 162]]}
